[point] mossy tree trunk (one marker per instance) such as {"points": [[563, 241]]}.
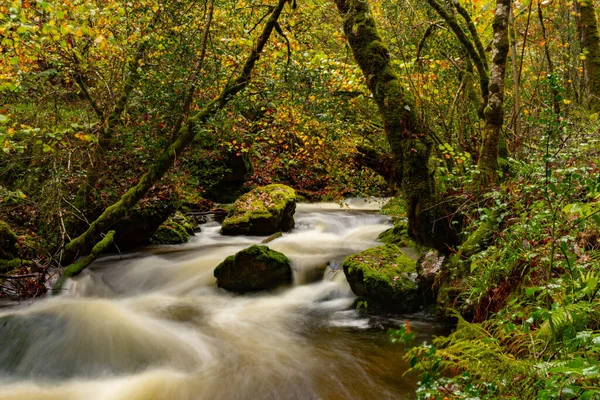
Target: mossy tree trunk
{"points": [[406, 134], [473, 46], [117, 211], [494, 111], [590, 43]]}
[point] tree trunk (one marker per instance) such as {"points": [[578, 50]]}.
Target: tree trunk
{"points": [[117, 211], [406, 134], [477, 55], [590, 43], [494, 111], [515, 75]]}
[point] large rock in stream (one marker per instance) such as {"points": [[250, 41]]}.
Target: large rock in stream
{"points": [[386, 276], [262, 211], [252, 269]]}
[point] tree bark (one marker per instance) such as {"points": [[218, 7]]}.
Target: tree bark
{"points": [[117, 211], [406, 134], [590, 43], [515, 75], [475, 55], [494, 111], [471, 27]]}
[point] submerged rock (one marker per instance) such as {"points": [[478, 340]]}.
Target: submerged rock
{"points": [[385, 275], [252, 269], [263, 211]]}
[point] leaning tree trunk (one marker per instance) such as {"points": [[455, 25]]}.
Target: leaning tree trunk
{"points": [[590, 42], [494, 111], [117, 211], [406, 134]]}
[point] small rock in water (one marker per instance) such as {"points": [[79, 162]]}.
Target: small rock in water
{"points": [[253, 269]]}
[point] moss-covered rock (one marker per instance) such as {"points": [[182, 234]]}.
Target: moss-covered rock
{"points": [[252, 269], [263, 211], [385, 275], [397, 235], [8, 242], [169, 234], [175, 230], [189, 224]]}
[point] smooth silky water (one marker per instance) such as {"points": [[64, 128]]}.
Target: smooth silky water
{"points": [[153, 325]]}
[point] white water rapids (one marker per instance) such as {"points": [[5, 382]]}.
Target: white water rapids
{"points": [[153, 325]]}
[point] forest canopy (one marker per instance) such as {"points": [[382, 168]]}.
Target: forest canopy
{"points": [[479, 117]]}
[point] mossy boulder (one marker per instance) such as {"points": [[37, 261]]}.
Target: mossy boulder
{"points": [[386, 276], [253, 269], [175, 230], [397, 235], [170, 234], [8, 242], [189, 224], [262, 211]]}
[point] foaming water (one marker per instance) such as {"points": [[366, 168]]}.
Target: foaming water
{"points": [[153, 325]]}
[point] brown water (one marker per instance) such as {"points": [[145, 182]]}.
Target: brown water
{"points": [[153, 325]]}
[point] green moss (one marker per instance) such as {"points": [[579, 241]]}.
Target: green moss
{"points": [[479, 239], [175, 230], [264, 253], [397, 235], [255, 268], [170, 234], [187, 223], [264, 210], [78, 266], [261, 202], [386, 273], [9, 265]]}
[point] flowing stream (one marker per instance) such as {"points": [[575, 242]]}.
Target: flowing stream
{"points": [[153, 325]]}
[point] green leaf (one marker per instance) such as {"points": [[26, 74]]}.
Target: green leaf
{"points": [[592, 283], [531, 291]]}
